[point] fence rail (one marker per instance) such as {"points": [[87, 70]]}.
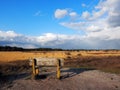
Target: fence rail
{"points": [[39, 62]]}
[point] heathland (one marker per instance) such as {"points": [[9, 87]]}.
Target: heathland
{"points": [[14, 68]]}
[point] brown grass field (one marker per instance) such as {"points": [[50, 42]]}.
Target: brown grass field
{"points": [[104, 60], [15, 56], [15, 65]]}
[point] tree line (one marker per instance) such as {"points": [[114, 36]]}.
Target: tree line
{"points": [[10, 48]]}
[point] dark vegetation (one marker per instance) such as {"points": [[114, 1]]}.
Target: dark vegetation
{"points": [[10, 48], [13, 70], [104, 63], [14, 66]]}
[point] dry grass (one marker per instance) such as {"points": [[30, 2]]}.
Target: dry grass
{"points": [[107, 61], [13, 56]]}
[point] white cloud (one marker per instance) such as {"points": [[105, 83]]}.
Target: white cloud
{"points": [[60, 13], [101, 25], [45, 38], [11, 38], [73, 14], [106, 34], [8, 34], [74, 25], [93, 28], [86, 15], [88, 41], [114, 13], [105, 15], [105, 8]]}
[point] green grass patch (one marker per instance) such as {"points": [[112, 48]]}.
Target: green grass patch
{"points": [[111, 70]]}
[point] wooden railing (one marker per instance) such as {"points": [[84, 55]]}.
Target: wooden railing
{"points": [[46, 62]]}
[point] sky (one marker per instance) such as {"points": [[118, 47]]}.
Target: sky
{"points": [[66, 24]]}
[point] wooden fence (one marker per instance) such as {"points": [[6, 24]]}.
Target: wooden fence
{"points": [[46, 62]]}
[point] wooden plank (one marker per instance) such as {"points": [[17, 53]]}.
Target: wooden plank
{"points": [[48, 61], [58, 69]]}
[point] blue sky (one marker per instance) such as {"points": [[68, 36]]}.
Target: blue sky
{"points": [[34, 17], [84, 24]]}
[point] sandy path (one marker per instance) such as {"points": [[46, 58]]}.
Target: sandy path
{"points": [[74, 79]]}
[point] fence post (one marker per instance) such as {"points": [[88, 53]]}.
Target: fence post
{"points": [[58, 69], [35, 69]]}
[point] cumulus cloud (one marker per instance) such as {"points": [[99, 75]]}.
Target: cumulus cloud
{"points": [[104, 16], [108, 9], [101, 25], [86, 15], [8, 34], [73, 14], [91, 41], [74, 25], [13, 39], [60, 13], [114, 14]]}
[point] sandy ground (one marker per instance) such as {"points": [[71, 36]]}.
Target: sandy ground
{"points": [[72, 79]]}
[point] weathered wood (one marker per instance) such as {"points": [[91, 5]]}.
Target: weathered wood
{"points": [[35, 69], [58, 69], [48, 61], [36, 62]]}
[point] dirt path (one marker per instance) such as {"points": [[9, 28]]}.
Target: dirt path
{"points": [[72, 79]]}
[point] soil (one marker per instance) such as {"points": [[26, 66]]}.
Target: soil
{"points": [[17, 75], [105, 63], [74, 79]]}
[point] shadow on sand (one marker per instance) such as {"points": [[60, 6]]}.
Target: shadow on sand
{"points": [[65, 73], [4, 79], [73, 71]]}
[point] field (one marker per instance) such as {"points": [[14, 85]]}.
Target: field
{"points": [[14, 65], [105, 60], [14, 56]]}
